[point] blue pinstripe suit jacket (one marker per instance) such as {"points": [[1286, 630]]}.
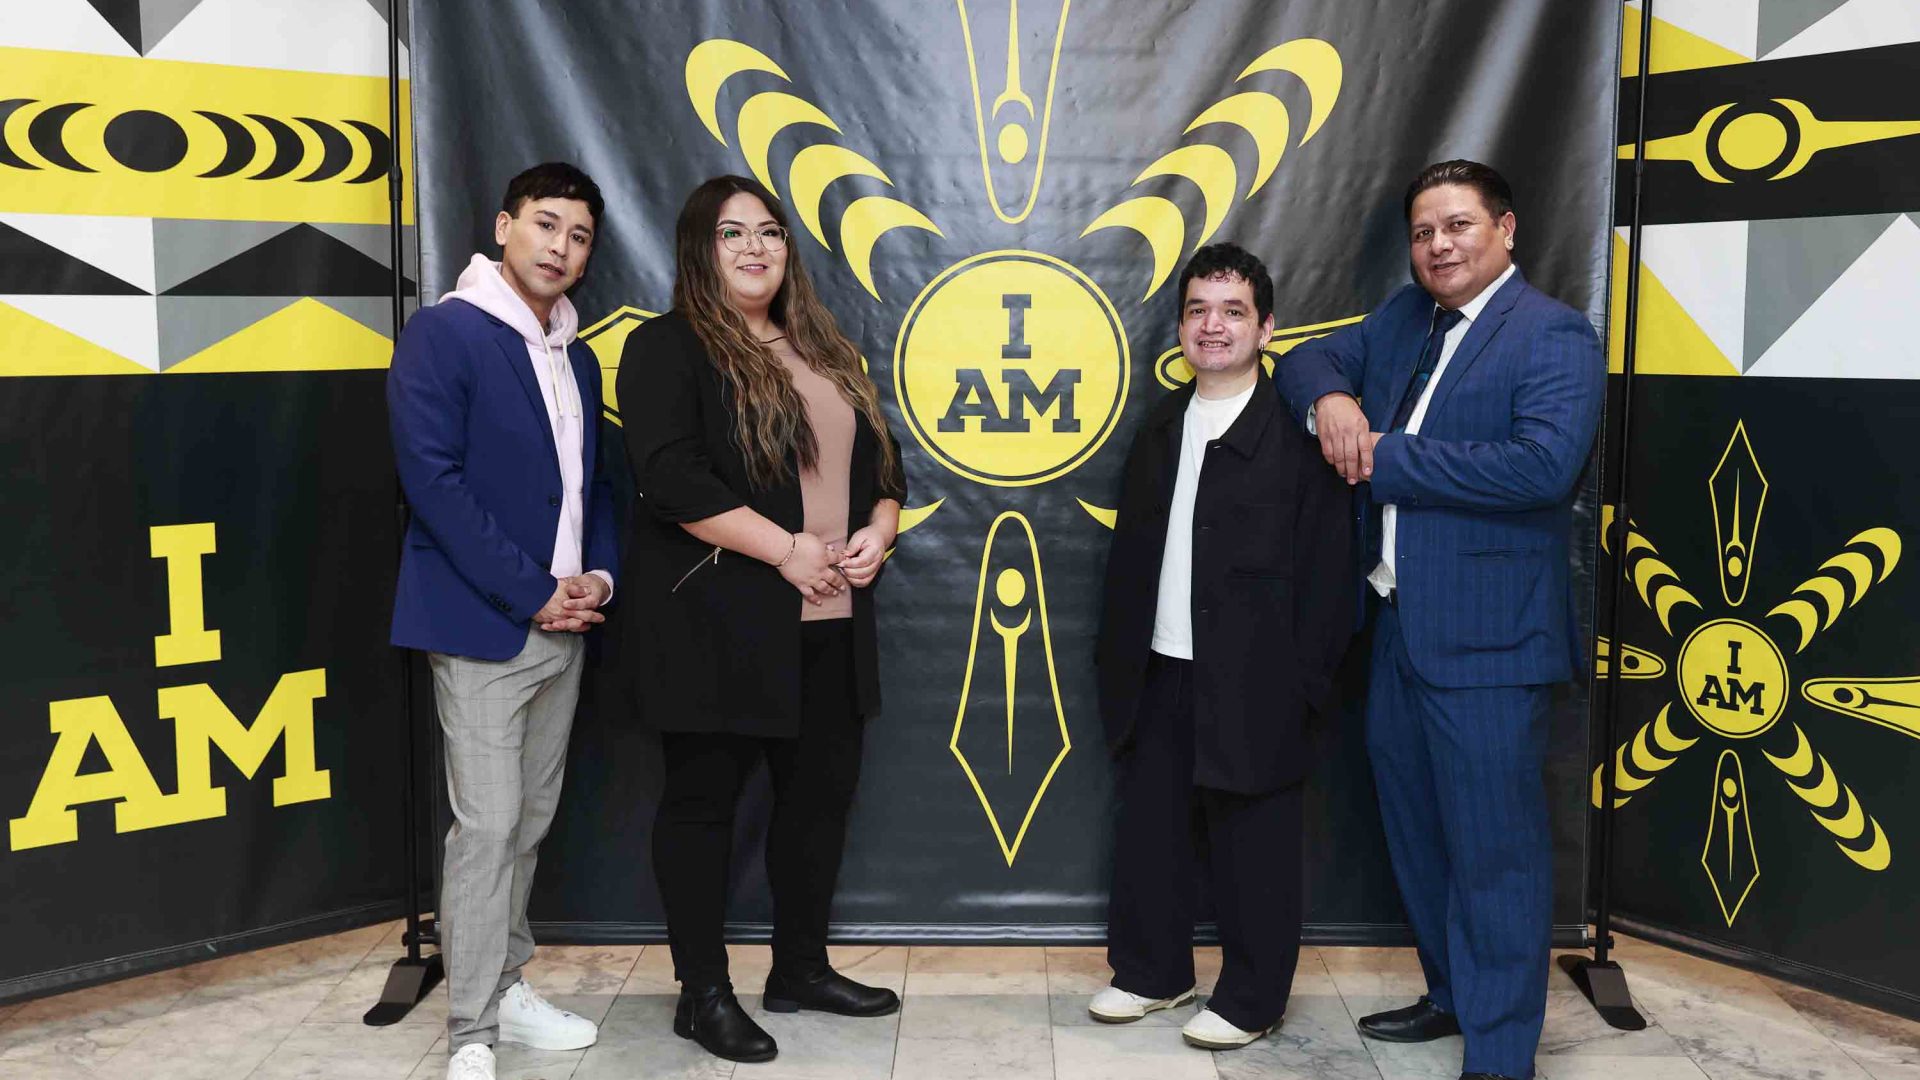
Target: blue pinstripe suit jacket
{"points": [[1485, 490]]}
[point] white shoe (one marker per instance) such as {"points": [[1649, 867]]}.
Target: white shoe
{"points": [[1116, 1006], [531, 1020], [1209, 1032], [473, 1062]]}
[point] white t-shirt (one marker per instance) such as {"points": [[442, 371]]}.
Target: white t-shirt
{"points": [[1205, 422]]}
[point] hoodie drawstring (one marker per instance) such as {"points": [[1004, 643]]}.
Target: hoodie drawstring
{"points": [[566, 396]]}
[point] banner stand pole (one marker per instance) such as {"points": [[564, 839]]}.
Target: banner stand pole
{"points": [[1600, 978], [413, 975]]}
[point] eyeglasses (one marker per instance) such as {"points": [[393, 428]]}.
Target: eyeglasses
{"points": [[773, 237]]}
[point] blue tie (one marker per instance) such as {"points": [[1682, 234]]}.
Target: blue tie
{"points": [[1443, 321]]}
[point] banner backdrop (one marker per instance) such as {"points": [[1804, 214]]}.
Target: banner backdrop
{"points": [[1770, 694], [200, 715], [994, 198]]}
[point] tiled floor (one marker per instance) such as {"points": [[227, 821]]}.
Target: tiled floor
{"points": [[985, 1013]]}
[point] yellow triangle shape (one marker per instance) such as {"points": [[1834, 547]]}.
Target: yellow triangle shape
{"points": [[36, 347], [1673, 49], [1669, 341], [305, 336]]}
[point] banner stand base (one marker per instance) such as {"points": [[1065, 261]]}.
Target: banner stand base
{"points": [[409, 980], [1605, 984]]}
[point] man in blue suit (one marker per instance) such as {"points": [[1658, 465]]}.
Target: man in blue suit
{"points": [[1464, 410], [495, 411]]}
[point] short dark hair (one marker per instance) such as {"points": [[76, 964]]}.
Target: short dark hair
{"points": [[1233, 261], [553, 180], [1495, 193]]}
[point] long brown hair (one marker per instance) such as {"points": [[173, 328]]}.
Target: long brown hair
{"points": [[769, 416]]}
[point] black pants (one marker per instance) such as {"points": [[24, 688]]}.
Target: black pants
{"points": [[813, 776], [1252, 848]]}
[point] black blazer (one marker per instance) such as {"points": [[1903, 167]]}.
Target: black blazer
{"points": [[1272, 590], [721, 653]]}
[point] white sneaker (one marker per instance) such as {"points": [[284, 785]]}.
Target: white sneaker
{"points": [[1209, 1032], [473, 1062], [1116, 1006], [531, 1020]]}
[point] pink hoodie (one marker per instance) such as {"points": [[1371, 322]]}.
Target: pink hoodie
{"points": [[482, 286]]}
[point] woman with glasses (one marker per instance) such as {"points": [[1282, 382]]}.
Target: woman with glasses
{"points": [[769, 492]]}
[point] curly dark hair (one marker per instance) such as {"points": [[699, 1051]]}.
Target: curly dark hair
{"points": [[1495, 193], [553, 180], [1229, 260]]}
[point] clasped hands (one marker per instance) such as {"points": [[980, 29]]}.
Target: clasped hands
{"points": [[573, 608], [1345, 441], [820, 572]]}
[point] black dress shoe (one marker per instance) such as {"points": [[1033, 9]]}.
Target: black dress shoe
{"points": [[827, 991], [1422, 1021], [712, 1017]]}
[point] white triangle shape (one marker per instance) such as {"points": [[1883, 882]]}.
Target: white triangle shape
{"points": [[1862, 24], [128, 326], [1704, 266], [338, 37], [1732, 24], [122, 246], [62, 25], [1866, 325]]}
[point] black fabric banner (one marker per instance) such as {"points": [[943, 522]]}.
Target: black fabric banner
{"points": [[201, 718], [203, 738], [1762, 711], [937, 160]]}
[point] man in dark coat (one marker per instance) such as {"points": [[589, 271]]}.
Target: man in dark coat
{"points": [[1227, 609]]}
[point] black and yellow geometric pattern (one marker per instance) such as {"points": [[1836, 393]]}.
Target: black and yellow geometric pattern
{"points": [[1780, 205], [195, 186]]}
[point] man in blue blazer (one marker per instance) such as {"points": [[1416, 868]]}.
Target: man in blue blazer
{"points": [[495, 411], [1464, 410]]}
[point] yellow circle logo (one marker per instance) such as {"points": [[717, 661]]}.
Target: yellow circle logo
{"points": [[1733, 678], [1011, 368]]}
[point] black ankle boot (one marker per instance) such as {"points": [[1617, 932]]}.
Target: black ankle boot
{"points": [[826, 990], [712, 1017]]}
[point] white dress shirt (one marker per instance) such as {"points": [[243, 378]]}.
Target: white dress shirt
{"points": [[1206, 420], [1383, 578]]}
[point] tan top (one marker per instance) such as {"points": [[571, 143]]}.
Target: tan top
{"points": [[823, 489]]}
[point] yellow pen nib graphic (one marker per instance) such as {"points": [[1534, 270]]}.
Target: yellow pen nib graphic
{"points": [[1894, 704], [1009, 121], [1732, 681], [1729, 858], [1010, 592], [1770, 140], [1263, 117], [765, 115], [1010, 632], [1738, 490], [1635, 663]]}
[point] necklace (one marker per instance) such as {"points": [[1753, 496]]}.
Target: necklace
{"points": [[771, 340]]}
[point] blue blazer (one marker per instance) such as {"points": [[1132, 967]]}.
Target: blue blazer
{"points": [[1485, 490], [475, 452]]}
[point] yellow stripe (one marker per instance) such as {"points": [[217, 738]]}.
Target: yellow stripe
{"points": [[112, 86]]}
